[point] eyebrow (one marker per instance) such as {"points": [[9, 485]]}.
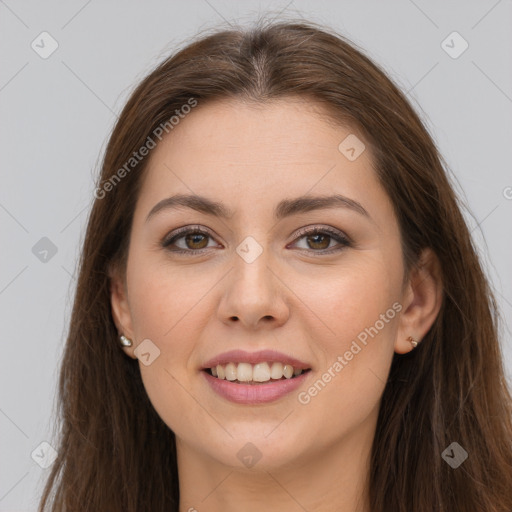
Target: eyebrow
{"points": [[285, 208]]}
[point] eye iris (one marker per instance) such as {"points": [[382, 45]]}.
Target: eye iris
{"points": [[194, 238], [324, 237], [198, 240]]}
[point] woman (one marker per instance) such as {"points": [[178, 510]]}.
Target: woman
{"points": [[279, 304]]}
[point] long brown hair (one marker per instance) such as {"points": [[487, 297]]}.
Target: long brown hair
{"points": [[116, 454]]}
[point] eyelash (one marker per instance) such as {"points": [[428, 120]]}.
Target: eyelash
{"points": [[332, 233]]}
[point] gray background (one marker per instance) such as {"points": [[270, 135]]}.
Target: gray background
{"points": [[56, 114]]}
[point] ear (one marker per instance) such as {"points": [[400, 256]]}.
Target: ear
{"points": [[421, 301], [120, 308]]}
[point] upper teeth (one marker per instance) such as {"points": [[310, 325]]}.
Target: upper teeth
{"points": [[260, 372]]}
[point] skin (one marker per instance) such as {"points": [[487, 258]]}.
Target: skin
{"points": [[314, 456]]}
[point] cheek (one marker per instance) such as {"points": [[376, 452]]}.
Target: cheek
{"points": [[168, 307], [164, 297], [354, 298], [359, 309], [361, 313]]}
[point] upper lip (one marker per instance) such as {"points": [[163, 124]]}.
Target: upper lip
{"points": [[241, 356]]}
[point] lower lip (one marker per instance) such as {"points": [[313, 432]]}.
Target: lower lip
{"points": [[254, 393]]}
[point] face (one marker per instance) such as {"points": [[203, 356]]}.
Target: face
{"points": [[282, 285]]}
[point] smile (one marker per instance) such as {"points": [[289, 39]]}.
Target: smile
{"points": [[254, 377], [259, 373]]}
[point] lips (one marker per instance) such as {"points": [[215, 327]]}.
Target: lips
{"points": [[254, 377]]}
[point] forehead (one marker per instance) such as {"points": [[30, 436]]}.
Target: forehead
{"points": [[239, 152], [250, 133]]}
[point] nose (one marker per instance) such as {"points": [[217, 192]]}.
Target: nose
{"points": [[254, 294]]}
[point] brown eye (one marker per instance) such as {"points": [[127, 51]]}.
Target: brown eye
{"points": [[196, 241], [318, 240], [188, 240]]}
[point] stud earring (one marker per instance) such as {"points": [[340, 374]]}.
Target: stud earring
{"points": [[125, 342], [414, 342]]}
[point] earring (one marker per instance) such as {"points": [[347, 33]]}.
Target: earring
{"points": [[125, 342], [414, 342]]}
